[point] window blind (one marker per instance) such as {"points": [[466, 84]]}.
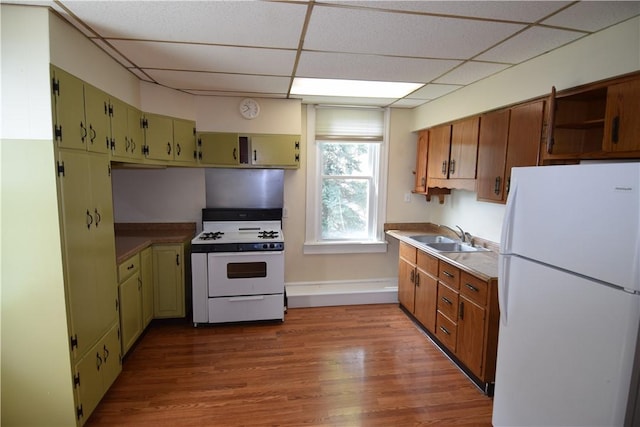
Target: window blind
{"points": [[349, 124]]}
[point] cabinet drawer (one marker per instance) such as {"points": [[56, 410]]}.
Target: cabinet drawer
{"points": [[408, 252], [449, 274], [473, 288], [127, 268], [428, 263], [448, 302], [446, 331]]}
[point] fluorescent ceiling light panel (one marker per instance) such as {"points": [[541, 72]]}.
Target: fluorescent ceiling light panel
{"points": [[353, 88]]}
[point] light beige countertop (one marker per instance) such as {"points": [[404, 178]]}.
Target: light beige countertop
{"points": [[483, 264], [132, 238]]}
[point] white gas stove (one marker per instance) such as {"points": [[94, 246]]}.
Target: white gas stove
{"points": [[238, 266]]}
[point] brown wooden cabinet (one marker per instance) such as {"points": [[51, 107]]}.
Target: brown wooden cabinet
{"points": [[595, 121], [421, 162], [508, 138], [452, 155], [457, 309]]}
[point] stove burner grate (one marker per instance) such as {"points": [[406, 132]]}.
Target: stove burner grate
{"points": [[214, 235], [268, 234]]}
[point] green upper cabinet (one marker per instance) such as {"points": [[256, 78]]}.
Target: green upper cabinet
{"points": [[275, 150], [169, 139], [217, 148], [184, 141], [119, 140], [135, 133], [158, 137], [80, 113]]}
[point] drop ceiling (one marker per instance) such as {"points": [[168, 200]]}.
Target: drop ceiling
{"points": [[257, 48]]}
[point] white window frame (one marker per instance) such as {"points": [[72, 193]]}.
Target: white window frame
{"points": [[314, 244]]}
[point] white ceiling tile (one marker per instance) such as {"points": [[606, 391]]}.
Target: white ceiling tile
{"points": [[528, 44], [470, 72], [246, 23], [227, 94], [433, 91], [595, 15], [376, 32], [114, 53], [220, 81], [408, 103], [371, 67], [199, 57], [522, 11], [341, 100]]}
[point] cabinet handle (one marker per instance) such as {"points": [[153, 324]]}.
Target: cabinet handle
{"points": [[508, 184], [615, 129], [255, 155], [83, 133], [461, 310], [130, 267], [92, 134], [413, 276], [443, 329], [177, 259], [89, 219], [446, 273], [496, 187], [168, 148], [98, 361], [446, 300], [471, 287], [417, 279], [133, 145], [444, 167], [98, 216], [105, 351], [452, 168], [235, 154], [127, 144], [178, 149]]}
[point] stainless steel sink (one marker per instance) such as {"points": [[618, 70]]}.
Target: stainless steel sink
{"points": [[430, 238], [454, 247]]}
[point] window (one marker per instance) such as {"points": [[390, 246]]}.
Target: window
{"points": [[346, 179]]}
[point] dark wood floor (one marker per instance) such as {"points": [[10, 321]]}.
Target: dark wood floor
{"points": [[362, 365]]}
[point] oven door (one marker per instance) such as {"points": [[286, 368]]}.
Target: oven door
{"points": [[245, 273]]}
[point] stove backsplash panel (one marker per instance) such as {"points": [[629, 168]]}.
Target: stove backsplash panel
{"points": [[244, 188]]}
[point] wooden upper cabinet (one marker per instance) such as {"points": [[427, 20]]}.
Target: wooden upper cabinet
{"points": [[622, 123], [464, 149], [508, 138], [525, 135], [492, 152], [421, 162], [438, 152]]}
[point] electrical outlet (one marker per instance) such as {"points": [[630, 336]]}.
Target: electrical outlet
{"points": [[407, 197], [285, 212]]}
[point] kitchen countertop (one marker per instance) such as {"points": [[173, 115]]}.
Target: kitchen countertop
{"points": [[132, 238], [482, 264]]}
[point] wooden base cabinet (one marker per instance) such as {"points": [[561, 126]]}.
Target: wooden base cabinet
{"points": [[457, 309]]}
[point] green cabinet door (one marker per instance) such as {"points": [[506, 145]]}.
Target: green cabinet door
{"points": [[168, 279], [184, 141], [130, 311], [119, 138], [96, 109], [70, 129], [158, 134], [77, 222], [275, 150], [135, 133], [146, 275], [218, 148]]}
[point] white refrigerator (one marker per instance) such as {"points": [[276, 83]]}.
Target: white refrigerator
{"points": [[569, 296]]}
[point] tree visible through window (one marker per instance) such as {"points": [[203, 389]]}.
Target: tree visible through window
{"points": [[347, 183]]}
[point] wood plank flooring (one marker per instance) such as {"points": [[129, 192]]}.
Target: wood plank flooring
{"points": [[365, 365]]}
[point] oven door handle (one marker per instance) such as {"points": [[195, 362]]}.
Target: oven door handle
{"points": [[248, 253], [247, 298]]}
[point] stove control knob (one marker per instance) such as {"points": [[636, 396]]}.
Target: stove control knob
{"points": [[272, 246], [265, 246]]}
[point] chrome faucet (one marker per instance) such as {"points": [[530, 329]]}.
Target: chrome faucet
{"points": [[462, 235]]}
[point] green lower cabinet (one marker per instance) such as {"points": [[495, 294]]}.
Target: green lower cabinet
{"points": [[168, 281], [95, 372], [130, 292], [146, 276]]}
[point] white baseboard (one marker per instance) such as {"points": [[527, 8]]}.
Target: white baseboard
{"points": [[349, 292]]}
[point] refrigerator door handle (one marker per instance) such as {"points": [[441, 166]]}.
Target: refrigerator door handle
{"points": [[507, 224], [503, 288]]}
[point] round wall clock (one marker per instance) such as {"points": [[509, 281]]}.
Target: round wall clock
{"points": [[249, 108]]}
